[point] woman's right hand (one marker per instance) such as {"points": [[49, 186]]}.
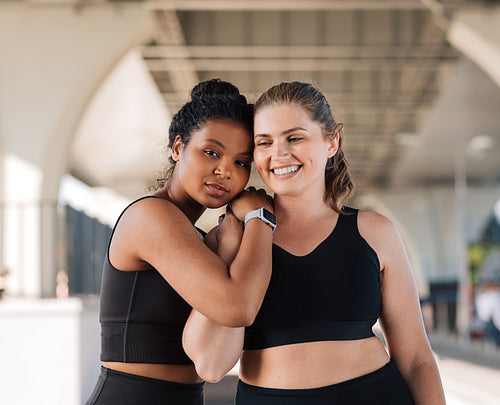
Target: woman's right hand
{"points": [[250, 199]]}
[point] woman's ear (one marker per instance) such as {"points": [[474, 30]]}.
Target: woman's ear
{"points": [[333, 140], [333, 144], [177, 148]]}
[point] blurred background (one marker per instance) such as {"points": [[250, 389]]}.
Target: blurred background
{"points": [[87, 90]]}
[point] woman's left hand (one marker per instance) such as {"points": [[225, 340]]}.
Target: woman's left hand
{"points": [[250, 199], [229, 234]]}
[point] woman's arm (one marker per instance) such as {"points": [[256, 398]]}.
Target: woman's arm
{"points": [[401, 317], [156, 233], [215, 348]]}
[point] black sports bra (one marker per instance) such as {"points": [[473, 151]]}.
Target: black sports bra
{"points": [[142, 317], [331, 293]]}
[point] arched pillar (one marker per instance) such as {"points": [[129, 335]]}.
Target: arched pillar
{"points": [[425, 217], [52, 60], [476, 33]]}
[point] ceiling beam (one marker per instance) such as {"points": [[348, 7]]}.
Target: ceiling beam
{"points": [[266, 5], [416, 80], [301, 5], [311, 51], [342, 100], [304, 65], [169, 33], [397, 110]]}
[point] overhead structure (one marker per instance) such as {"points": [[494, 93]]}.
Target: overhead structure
{"points": [[381, 64]]}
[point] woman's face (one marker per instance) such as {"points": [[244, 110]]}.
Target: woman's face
{"points": [[215, 164], [290, 150]]}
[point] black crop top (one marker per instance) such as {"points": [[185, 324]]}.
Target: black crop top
{"points": [[331, 293], [142, 317]]}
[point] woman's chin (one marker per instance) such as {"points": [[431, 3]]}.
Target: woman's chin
{"points": [[216, 204]]}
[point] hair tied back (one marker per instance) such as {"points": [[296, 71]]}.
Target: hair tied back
{"points": [[214, 88]]}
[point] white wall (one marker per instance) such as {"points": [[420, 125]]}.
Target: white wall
{"points": [[49, 351]]}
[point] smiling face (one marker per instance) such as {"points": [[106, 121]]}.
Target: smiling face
{"points": [[215, 164], [291, 150]]}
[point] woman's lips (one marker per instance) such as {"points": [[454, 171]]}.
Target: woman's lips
{"points": [[217, 189], [284, 172]]}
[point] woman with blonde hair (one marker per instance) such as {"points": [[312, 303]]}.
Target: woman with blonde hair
{"points": [[336, 272]]}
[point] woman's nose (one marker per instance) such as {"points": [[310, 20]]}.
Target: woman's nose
{"points": [[223, 169], [280, 149]]}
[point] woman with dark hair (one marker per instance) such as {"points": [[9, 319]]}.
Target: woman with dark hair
{"points": [[157, 267], [336, 272]]}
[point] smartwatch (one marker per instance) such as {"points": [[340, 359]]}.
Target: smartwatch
{"points": [[264, 215]]}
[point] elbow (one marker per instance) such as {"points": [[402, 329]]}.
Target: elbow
{"points": [[251, 309], [247, 318], [210, 373], [243, 317], [238, 310], [239, 322], [208, 369], [211, 377]]}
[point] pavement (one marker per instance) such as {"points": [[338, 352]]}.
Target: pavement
{"points": [[223, 392], [470, 373]]}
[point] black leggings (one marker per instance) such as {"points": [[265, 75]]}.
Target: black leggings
{"points": [[382, 387], [114, 387]]}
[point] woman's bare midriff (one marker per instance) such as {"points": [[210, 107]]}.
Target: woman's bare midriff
{"points": [[313, 364], [184, 374]]}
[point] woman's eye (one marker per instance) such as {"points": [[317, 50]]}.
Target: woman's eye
{"points": [[263, 143], [242, 163], [295, 139], [211, 153]]}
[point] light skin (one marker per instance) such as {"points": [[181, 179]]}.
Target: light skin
{"points": [[291, 152], [211, 169]]}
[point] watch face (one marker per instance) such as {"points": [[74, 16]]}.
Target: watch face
{"points": [[269, 216]]}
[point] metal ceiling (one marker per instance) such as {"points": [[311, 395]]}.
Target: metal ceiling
{"points": [[380, 63]]}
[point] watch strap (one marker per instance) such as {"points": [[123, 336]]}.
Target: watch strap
{"points": [[260, 214]]}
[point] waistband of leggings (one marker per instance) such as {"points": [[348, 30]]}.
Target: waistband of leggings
{"points": [[107, 372], [389, 367]]}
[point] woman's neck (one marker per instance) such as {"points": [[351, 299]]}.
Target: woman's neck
{"points": [[303, 207], [176, 195]]}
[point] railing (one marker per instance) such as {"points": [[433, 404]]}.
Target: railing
{"points": [[86, 244], [69, 251]]}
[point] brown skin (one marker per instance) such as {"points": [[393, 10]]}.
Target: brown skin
{"points": [[206, 342], [286, 138], [211, 170]]}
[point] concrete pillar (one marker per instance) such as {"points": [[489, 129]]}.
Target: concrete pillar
{"points": [[425, 219], [52, 60], [476, 33]]}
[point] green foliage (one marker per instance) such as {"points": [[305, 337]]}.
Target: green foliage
{"points": [[476, 254]]}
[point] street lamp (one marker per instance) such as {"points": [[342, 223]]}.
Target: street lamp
{"points": [[476, 147], [461, 243]]}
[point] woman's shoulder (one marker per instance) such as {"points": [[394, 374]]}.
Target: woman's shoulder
{"points": [[152, 205], [148, 200], [152, 214], [145, 224], [373, 220], [379, 231]]}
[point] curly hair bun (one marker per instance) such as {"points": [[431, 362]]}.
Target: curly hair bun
{"points": [[214, 88]]}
